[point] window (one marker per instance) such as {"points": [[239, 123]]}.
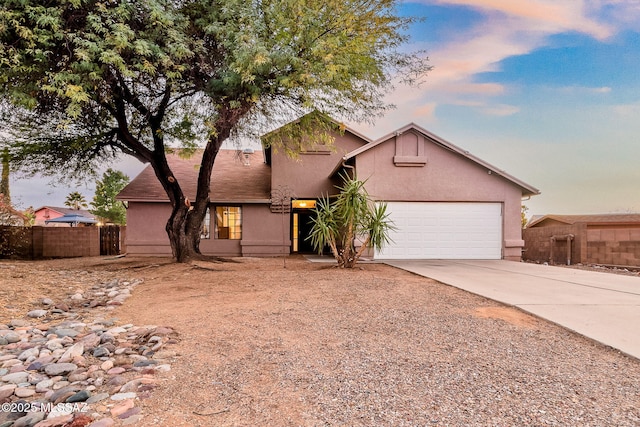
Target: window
{"points": [[205, 231], [228, 222]]}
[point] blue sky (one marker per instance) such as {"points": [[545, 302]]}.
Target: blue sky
{"points": [[547, 90]]}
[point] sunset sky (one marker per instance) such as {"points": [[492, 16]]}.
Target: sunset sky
{"points": [[547, 90]]}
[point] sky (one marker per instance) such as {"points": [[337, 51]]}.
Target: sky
{"points": [[547, 90]]}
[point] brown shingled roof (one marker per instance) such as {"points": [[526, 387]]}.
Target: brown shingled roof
{"points": [[231, 179], [589, 219]]}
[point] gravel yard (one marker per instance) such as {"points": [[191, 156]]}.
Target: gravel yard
{"points": [[311, 345]]}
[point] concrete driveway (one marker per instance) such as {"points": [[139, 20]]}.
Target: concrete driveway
{"points": [[601, 306]]}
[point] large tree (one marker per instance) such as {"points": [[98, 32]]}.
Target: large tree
{"points": [[104, 202], [86, 80]]}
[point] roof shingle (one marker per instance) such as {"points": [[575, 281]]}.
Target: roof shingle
{"points": [[232, 179]]}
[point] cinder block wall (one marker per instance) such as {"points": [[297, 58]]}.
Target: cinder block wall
{"points": [[613, 245], [49, 242], [537, 244], [67, 242], [594, 244]]}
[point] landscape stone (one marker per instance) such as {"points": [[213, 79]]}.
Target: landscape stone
{"points": [[37, 313], [16, 378], [123, 396], [7, 390], [29, 420], [56, 421], [104, 422], [60, 368], [98, 397], [72, 352], [101, 352], [12, 337], [65, 332], [24, 392], [80, 396], [48, 349]]}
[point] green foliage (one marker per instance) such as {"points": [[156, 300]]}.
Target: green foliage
{"points": [[84, 81], [352, 215], [104, 202], [523, 215], [75, 200]]}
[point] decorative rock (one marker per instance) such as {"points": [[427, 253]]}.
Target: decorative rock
{"points": [[16, 378], [98, 397], [132, 420], [105, 366], [7, 390], [91, 340], [123, 396], [105, 422], [12, 337], [31, 419], [37, 313], [3, 341], [60, 368], [72, 352], [80, 396], [47, 301], [116, 371], [77, 377], [77, 297], [130, 386], [17, 323], [131, 412], [65, 332], [101, 352], [44, 386], [56, 421], [29, 353], [24, 392], [122, 407]]}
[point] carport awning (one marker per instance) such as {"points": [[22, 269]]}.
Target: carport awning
{"points": [[72, 219]]}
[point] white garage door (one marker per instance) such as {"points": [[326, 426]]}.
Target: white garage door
{"points": [[444, 231]]}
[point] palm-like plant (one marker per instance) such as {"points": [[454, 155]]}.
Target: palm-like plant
{"points": [[352, 215], [75, 200]]}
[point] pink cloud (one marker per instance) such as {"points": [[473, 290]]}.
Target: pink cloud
{"points": [[551, 14]]}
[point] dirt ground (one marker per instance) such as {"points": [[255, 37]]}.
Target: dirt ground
{"points": [[312, 345]]}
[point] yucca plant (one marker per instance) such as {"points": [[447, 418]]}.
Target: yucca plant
{"points": [[351, 215]]}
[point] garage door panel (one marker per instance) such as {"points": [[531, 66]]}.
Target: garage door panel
{"points": [[444, 231]]}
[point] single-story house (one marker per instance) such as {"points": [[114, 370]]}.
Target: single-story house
{"points": [[608, 239], [445, 202], [48, 213]]}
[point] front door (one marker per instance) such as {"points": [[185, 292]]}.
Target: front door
{"points": [[301, 229]]}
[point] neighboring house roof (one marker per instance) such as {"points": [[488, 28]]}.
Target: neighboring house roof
{"points": [[237, 176], [610, 219], [528, 190], [65, 211]]}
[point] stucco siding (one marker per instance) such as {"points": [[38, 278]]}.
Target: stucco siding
{"points": [[261, 232], [444, 177], [308, 174]]}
